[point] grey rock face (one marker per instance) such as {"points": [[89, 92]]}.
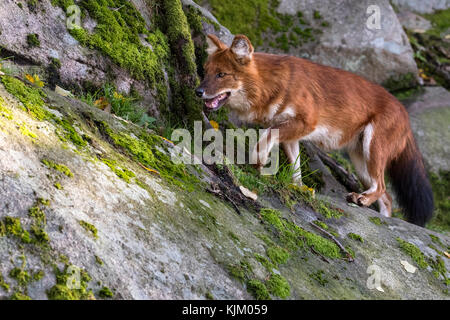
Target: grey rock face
{"points": [[412, 21], [430, 122], [348, 43], [420, 6], [159, 241]]}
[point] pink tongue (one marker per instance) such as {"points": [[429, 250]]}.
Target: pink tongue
{"points": [[213, 104]]}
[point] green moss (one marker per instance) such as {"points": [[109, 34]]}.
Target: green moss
{"points": [[265, 262], [32, 98], [98, 260], [70, 133], [241, 271], [124, 174], [105, 292], [317, 15], [5, 112], [13, 227], [58, 167], [440, 21], [26, 132], [58, 185], [294, 237], [89, 228], [278, 286], [144, 150], [319, 277], [19, 296], [33, 40], [258, 290], [22, 276], [441, 189], [439, 269], [355, 236], [377, 221], [400, 82], [209, 296], [63, 292], [324, 226], [436, 240], [252, 17], [278, 255], [413, 252], [296, 193], [3, 284]]}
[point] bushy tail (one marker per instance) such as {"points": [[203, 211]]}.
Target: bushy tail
{"points": [[411, 185]]}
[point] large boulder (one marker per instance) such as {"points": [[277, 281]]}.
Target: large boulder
{"points": [[420, 6], [382, 55], [430, 122], [91, 207]]}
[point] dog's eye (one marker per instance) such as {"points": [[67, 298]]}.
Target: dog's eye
{"points": [[220, 75]]}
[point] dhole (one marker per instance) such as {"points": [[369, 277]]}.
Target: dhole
{"points": [[332, 108]]}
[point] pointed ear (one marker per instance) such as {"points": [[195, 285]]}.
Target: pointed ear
{"points": [[214, 44], [242, 49]]}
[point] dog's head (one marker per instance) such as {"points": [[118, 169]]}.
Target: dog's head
{"points": [[224, 70]]}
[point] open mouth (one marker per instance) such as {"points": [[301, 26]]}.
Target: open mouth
{"points": [[216, 102]]}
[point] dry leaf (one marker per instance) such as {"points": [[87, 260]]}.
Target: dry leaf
{"points": [[408, 267], [379, 288], [446, 254], [248, 193], [29, 78], [101, 103]]}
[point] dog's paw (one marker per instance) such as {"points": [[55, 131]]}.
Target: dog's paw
{"points": [[357, 198]]}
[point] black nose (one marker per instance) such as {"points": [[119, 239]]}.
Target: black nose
{"points": [[199, 92]]}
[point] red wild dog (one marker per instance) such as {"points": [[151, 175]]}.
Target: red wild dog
{"points": [[332, 108]]}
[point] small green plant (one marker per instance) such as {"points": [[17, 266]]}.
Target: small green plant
{"points": [[33, 40]]}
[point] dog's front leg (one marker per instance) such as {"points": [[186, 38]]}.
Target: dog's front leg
{"points": [[262, 149]]}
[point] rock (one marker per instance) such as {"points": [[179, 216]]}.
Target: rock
{"points": [[420, 6], [430, 122], [86, 203], [78, 65], [212, 26], [414, 22], [377, 54]]}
